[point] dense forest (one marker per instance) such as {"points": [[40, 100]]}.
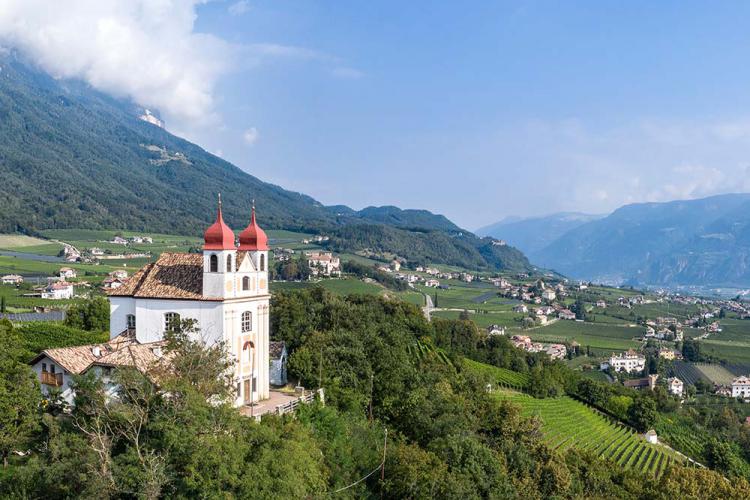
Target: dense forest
{"points": [[446, 436]]}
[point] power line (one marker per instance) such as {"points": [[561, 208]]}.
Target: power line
{"points": [[380, 467]]}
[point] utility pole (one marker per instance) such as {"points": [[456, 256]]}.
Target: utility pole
{"points": [[372, 378], [382, 466]]}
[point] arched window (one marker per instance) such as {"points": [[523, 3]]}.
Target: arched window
{"points": [[246, 283], [229, 263], [247, 321], [130, 318], [172, 321], [213, 265], [262, 262]]}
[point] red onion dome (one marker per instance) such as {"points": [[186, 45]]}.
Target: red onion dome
{"points": [[253, 238], [218, 236]]}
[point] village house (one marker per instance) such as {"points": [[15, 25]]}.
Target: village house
{"points": [[119, 240], [668, 354], [601, 304], [542, 319], [521, 341], [548, 294], [96, 252], [741, 387], [642, 383], [675, 386], [112, 283], [557, 351], [544, 310], [395, 265], [12, 279], [629, 361], [651, 437], [520, 308], [432, 283], [58, 290], [323, 263], [566, 314], [495, 330], [278, 357], [119, 274], [67, 272]]}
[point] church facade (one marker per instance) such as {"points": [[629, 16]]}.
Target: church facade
{"points": [[224, 289]]}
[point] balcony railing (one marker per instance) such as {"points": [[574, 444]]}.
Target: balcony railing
{"points": [[53, 379]]}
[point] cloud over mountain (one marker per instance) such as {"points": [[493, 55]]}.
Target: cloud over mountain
{"points": [[143, 49]]}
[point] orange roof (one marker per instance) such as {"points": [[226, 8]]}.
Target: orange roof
{"points": [[253, 238], [218, 236]]}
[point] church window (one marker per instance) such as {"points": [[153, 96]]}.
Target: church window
{"points": [[171, 321], [247, 321], [262, 262], [246, 283], [213, 265], [229, 263]]}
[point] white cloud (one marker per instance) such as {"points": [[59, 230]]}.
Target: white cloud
{"points": [[143, 49], [239, 8], [250, 136]]}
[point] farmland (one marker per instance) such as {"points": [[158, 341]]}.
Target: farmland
{"points": [[567, 423], [499, 376]]}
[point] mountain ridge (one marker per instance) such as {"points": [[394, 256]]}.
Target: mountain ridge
{"points": [[72, 157]]}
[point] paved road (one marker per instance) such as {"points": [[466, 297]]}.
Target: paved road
{"points": [[429, 306]]}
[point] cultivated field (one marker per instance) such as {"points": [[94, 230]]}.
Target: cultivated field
{"points": [[715, 373], [500, 376], [567, 423]]}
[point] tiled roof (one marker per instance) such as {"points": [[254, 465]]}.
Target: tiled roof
{"points": [[172, 276], [123, 350], [275, 349]]}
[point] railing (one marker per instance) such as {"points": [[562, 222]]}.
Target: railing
{"points": [[53, 379], [294, 404]]}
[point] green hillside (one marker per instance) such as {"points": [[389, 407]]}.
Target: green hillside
{"points": [[567, 423], [73, 158]]}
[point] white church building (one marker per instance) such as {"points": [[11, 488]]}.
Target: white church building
{"points": [[224, 288]]}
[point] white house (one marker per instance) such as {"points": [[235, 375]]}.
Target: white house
{"points": [[278, 356], [67, 272], [629, 361], [651, 437], [675, 386], [324, 263], [548, 294], [119, 274], [55, 367], [432, 283], [495, 330], [12, 279], [741, 387], [58, 290]]}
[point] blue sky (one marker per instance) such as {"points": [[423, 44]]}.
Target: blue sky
{"points": [[476, 110]]}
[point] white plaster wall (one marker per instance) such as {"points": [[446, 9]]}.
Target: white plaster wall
{"points": [[149, 317], [119, 308], [66, 391]]}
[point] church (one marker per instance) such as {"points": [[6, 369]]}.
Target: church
{"points": [[224, 289]]}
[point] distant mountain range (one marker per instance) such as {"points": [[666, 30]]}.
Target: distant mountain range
{"points": [[532, 234], [703, 242], [72, 157]]}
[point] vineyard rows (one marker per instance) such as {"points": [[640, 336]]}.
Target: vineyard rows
{"points": [[567, 423], [500, 376]]}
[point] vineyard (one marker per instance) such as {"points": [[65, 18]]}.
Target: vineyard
{"points": [[688, 373], [715, 373], [567, 423], [501, 376], [422, 350]]}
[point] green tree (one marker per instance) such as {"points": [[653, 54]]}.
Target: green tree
{"points": [[91, 315], [2, 305], [19, 396], [642, 413]]}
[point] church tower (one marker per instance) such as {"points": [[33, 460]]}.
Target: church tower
{"points": [[219, 259], [254, 242]]}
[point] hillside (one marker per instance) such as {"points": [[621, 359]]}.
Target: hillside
{"points": [[694, 242], [568, 423], [72, 157], [534, 233]]}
